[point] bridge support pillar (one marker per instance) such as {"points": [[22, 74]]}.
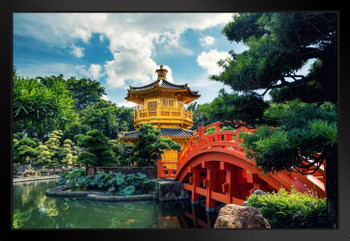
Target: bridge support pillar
{"points": [[218, 161], [230, 186], [209, 184], [194, 180]]}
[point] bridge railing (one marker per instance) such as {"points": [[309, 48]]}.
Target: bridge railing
{"points": [[163, 169], [227, 139]]}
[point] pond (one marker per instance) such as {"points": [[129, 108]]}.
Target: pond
{"points": [[33, 209]]}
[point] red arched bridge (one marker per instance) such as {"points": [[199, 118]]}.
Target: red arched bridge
{"points": [[215, 166]]}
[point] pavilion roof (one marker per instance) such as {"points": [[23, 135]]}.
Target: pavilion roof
{"points": [[165, 132], [161, 87], [136, 94], [162, 83]]}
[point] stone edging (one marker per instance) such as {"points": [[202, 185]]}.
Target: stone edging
{"points": [[94, 195], [98, 197], [26, 179]]}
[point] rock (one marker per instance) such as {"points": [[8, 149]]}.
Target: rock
{"points": [[243, 217], [24, 171], [18, 169], [259, 192], [29, 173], [67, 168], [170, 190]]}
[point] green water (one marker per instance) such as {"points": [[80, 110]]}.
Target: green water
{"points": [[33, 209]]}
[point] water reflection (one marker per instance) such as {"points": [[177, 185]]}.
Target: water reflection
{"points": [[33, 209], [197, 218]]}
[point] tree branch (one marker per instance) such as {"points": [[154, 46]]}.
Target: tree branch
{"points": [[238, 124], [311, 53], [284, 83], [316, 164]]}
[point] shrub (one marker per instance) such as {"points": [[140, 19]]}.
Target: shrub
{"points": [[113, 183], [291, 210]]}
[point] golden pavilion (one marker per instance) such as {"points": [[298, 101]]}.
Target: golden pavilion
{"points": [[161, 104]]}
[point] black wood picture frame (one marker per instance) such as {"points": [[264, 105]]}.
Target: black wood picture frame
{"points": [[8, 7]]}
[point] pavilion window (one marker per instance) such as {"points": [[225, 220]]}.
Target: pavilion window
{"points": [[165, 102], [152, 105], [171, 102]]}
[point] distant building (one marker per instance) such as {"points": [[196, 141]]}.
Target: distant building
{"points": [[161, 104]]}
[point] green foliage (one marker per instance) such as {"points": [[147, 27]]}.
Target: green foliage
{"points": [[291, 210], [150, 145], [75, 130], [55, 153], [53, 145], [99, 149], [19, 218], [87, 158], [309, 92], [18, 136], [43, 106], [125, 154], [114, 183], [245, 108], [279, 45], [25, 150], [213, 129], [39, 108], [301, 131], [198, 115], [107, 118], [103, 116], [76, 179], [126, 190], [44, 156], [86, 92], [242, 26], [68, 153]]}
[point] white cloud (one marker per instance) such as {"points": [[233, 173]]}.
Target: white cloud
{"points": [[102, 38], [95, 71], [131, 66], [132, 37], [169, 75], [82, 34], [127, 104], [105, 97], [208, 61], [77, 51], [208, 40]]}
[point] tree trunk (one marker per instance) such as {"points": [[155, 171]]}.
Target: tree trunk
{"points": [[332, 189], [41, 136], [330, 76]]}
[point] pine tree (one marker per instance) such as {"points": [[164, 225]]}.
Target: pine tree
{"points": [[150, 145], [53, 145]]}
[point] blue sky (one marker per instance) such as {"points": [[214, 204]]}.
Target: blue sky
{"points": [[122, 49]]}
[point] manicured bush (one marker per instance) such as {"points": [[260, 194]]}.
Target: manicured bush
{"points": [[114, 183], [293, 209]]}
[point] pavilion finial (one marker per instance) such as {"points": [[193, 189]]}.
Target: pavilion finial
{"points": [[161, 73]]}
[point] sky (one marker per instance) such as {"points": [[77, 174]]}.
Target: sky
{"points": [[123, 49]]}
